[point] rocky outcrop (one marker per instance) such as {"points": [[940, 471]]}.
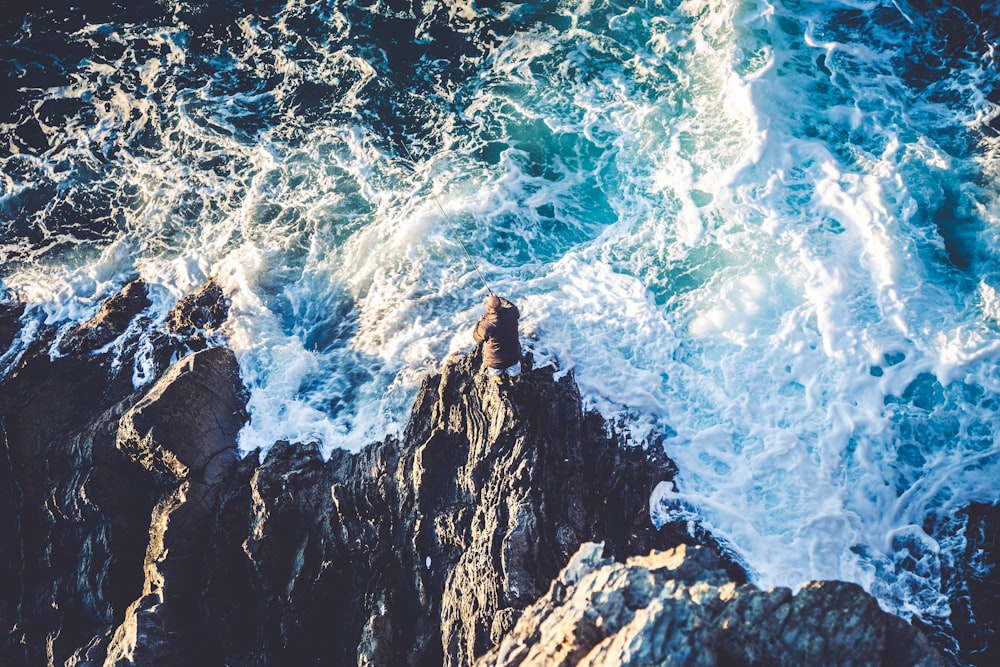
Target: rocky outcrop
{"points": [[76, 532], [678, 607], [438, 541], [136, 535], [76, 513], [975, 607], [184, 432], [158, 544], [110, 322], [198, 315], [9, 327]]}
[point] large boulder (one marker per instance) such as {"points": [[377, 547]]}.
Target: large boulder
{"points": [[184, 431], [198, 315], [76, 530], [110, 322]]}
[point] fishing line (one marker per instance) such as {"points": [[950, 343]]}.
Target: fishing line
{"points": [[451, 224]]}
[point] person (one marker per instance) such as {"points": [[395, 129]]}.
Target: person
{"points": [[497, 331]]}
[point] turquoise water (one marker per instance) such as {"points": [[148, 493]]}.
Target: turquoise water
{"points": [[763, 231]]}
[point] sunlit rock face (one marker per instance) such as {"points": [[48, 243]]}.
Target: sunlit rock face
{"points": [[680, 608]]}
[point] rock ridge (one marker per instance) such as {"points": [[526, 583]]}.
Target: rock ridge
{"points": [[137, 536], [678, 607]]}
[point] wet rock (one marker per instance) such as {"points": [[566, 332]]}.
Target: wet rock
{"points": [[439, 540], [76, 517], [184, 431], [976, 605], [76, 530], [135, 535], [195, 315], [10, 313], [679, 607], [110, 322]]}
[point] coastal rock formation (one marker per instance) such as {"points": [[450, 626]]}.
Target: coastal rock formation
{"points": [[423, 551], [975, 608], [110, 322], [135, 534], [73, 532], [9, 314], [678, 607], [198, 314], [77, 536], [184, 432], [139, 537]]}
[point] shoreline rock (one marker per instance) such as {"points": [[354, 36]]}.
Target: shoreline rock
{"points": [[136, 535], [439, 540], [183, 431], [679, 607]]}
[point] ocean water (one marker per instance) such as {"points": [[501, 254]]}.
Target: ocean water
{"points": [[763, 232]]}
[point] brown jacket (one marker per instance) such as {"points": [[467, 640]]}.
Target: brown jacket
{"points": [[497, 331]]}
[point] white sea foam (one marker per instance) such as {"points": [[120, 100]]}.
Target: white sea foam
{"points": [[812, 451]]}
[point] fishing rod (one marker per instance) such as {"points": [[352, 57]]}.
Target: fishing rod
{"points": [[451, 224]]}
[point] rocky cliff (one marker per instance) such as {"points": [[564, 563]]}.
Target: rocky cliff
{"points": [[680, 608], [133, 534]]}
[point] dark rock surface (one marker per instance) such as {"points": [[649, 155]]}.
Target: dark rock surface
{"points": [[976, 606], [9, 325], [203, 312], [139, 536], [184, 432], [424, 551], [110, 322], [679, 607], [75, 517], [135, 535], [77, 522]]}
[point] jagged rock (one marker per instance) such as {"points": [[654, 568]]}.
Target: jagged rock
{"points": [[186, 551], [976, 606], [76, 510], [679, 608], [183, 430], [204, 311], [186, 425], [537, 479], [136, 536], [9, 325], [77, 519], [110, 321], [438, 540]]}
